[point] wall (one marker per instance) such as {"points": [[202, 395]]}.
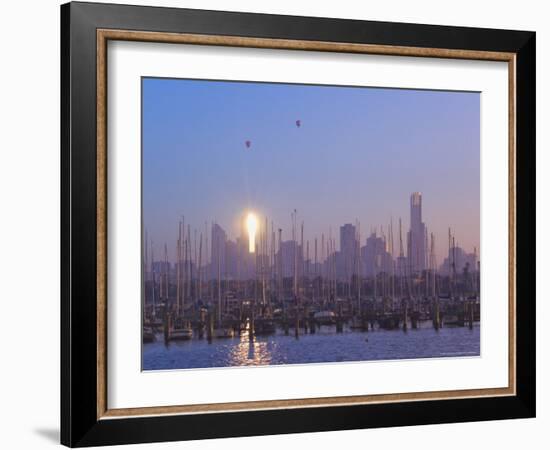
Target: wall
{"points": [[29, 196]]}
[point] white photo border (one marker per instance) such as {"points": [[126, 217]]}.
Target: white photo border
{"points": [[129, 387]]}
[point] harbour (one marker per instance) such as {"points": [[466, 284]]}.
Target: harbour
{"points": [[260, 300]]}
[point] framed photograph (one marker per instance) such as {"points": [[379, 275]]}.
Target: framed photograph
{"points": [[276, 224]]}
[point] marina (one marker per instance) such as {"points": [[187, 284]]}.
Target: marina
{"points": [[293, 220], [293, 307]]}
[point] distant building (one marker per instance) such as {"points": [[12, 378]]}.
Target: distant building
{"points": [[401, 266], [246, 261], [417, 236], [231, 260], [375, 257], [217, 260], [346, 262], [288, 256], [458, 258], [161, 267]]}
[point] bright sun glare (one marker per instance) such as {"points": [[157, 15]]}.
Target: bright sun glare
{"points": [[251, 226]]}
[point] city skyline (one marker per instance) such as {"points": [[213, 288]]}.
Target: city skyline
{"points": [[216, 167], [381, 231], [395, 248]]}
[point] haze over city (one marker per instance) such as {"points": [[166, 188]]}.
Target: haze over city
{"points": [[212, 151]]}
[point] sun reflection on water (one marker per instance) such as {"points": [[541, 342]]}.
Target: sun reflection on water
{"points": [[250, 353]]}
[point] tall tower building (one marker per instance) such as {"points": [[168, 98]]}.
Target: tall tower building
{"points": [[218, 252], [416, 248], [348, 249], [286, 256]]}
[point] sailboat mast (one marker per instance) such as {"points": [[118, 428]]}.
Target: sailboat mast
{"points": [[403, 263], [329, 265], [302, 252], [359, 267], [455, 245], [264, 261], [392, 262], [195, 265], [166, 294], [161, 276], [272, 267], [316, 274], [183, 271], [280, 264], [324, 266], [145, 257], [433, 263], [200, 267], [294, 245], [219, 282], [153, 276], [208, 267], [178, 257], [307, 260], [474, 273], [143, 269], [449, 263]]}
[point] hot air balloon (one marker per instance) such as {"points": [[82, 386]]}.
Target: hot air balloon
{"points": [[298, 123], [248, 144]]}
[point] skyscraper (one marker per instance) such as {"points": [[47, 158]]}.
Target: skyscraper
{"points": [[231, 259], [287, 255], [416, 242], [219, 238], [375, 256], [348, 249]]}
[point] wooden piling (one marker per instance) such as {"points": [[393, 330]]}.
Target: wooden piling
{"points": [[167, 325], [296, 321], [285, 324], [251, 327], [210, 328], [414, 320], [312, 326], [200, 330], [436, 321]]}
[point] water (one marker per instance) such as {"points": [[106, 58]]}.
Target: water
{"points": [[324, 346]]}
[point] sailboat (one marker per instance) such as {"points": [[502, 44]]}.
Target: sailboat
{"points": [[223, 333], [182, 330], [148, 335]]}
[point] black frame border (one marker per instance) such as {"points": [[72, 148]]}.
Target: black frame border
{"points": [[79, 423]]}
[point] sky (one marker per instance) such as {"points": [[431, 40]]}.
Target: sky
{"points": [[358, 155]]}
